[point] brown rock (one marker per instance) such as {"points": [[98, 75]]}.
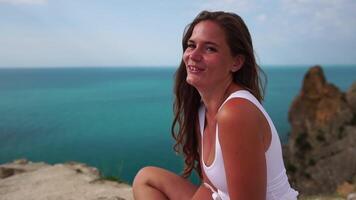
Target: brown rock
{"points": [[351, 97], [345, 189], [313, 84], [321, 151]]}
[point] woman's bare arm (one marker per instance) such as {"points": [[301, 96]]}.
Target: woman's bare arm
{"points": [[243, 149]]}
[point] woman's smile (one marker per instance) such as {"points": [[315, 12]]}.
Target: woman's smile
{"points": [[195, 69]]}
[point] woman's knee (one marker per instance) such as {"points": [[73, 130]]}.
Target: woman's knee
{"points": [[164, 181], [144, 176]]}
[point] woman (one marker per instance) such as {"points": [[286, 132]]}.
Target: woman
{"points": [[220, 126]]}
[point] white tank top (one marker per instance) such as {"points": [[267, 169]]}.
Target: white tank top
{"points": [[278, 187]]}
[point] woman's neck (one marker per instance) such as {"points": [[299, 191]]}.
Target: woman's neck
{"points": [[213, 97]]}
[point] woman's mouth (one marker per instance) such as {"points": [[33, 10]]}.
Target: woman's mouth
{"points": [[195, 69]]}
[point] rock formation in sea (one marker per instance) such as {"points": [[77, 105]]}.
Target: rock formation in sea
{"points": [[321, 152], [25, 180]]}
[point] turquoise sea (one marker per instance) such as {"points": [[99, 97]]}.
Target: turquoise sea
{"points": [[116, 119]]}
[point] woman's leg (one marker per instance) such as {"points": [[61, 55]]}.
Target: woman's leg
{"points": [[157, 183]]}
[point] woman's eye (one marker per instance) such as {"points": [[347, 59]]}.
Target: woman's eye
{"points": [[191, 46], [211, 49]]}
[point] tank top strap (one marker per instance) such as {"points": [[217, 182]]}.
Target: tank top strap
{"points": [[245, 95]]}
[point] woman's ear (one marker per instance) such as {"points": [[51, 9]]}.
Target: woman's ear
{"points": [[239, 62]]}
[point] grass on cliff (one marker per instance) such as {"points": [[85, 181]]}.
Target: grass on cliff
{"points": [[113, 178], [321, 197]]}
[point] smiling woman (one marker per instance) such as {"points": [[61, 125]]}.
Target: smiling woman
{"points": [[220, 126], [208, 42]]}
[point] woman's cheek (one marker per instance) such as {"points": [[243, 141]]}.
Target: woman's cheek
{"points": [[185, 57]]}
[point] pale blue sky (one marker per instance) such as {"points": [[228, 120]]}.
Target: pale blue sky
{"points": [[54, 33]]}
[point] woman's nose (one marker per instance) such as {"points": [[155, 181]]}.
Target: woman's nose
{"points": [[196, 55]]}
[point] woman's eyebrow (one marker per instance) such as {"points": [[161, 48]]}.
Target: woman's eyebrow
{"points": [[211, 43], [205, 42]]}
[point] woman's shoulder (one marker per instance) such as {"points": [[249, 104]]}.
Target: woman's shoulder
{"points": [[236, 110], [239, 120]]}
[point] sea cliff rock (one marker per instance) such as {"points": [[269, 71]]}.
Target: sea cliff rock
{"points": [[25, 180], [351, 97], [321, 152]]}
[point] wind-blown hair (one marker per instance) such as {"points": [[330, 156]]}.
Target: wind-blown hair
{"points": [[187, 99]]}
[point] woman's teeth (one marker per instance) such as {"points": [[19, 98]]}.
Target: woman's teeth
{"points": [[194, 69]]}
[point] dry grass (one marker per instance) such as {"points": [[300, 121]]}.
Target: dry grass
{"points": [[321, 197]]}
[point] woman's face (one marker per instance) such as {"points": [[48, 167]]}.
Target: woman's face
{"points": [[208, 59]]}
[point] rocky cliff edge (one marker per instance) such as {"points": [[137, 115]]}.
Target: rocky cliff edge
{"points": [[25, 180]]}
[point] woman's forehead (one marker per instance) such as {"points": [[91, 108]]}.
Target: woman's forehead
{"points": [[208, 31]]}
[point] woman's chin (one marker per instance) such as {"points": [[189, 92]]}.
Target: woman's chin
{"points": [[193, 81]]}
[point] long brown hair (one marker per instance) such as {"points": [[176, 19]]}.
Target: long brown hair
{"points": [[187, 99]]}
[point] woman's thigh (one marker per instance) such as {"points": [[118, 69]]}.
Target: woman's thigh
{"points": [[170, 184]]}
